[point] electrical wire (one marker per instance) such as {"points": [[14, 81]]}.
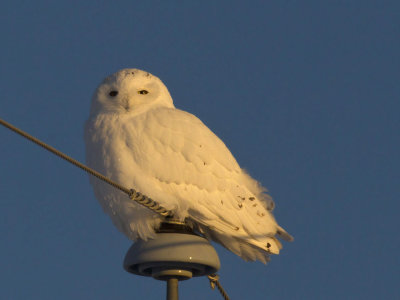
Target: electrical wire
{"points": [[214, 282], [133, 194]]}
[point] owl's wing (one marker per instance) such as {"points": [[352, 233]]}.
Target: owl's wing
{"points": [[184, 163]]}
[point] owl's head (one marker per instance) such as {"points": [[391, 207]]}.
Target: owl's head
{"points": [[130, 91]]}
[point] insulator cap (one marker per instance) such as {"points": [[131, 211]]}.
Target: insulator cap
{"points": [[177, 253]]}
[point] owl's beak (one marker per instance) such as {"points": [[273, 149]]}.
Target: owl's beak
{"points": [[126, 104]]}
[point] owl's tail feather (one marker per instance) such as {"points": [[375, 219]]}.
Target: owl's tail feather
{"points": [[282, 233], [248, 248], [245, 250]]}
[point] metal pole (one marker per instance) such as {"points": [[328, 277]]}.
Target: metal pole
{"points": [[172, 289]]}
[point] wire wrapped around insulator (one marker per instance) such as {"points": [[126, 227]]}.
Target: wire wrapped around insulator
{"points": [[136, 196]]}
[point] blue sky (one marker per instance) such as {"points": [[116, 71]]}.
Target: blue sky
{"points": [[304, 93]]}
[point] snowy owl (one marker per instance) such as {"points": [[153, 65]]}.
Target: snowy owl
{"points": [[136, 137]]}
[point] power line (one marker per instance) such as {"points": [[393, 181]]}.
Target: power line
{"points": [[132, 193], [214, 281]]}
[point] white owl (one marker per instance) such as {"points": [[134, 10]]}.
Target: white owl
{"points": [[136, 137]]}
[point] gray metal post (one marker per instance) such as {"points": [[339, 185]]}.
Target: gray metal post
{"points": [[172, 289]]}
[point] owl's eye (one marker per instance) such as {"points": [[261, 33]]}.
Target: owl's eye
{"points": [[143, 92], [113, 93]]}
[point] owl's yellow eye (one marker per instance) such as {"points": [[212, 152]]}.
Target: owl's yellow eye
{"points": [[143, 92]]}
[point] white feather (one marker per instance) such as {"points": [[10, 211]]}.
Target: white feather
{"points": [[142, 141]]}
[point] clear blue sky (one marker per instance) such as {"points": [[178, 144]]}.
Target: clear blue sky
{"points": [[304, 93]]}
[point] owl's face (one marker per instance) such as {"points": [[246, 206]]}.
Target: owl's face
{"points": [[130, 91]]}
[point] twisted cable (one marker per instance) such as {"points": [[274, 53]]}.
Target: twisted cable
{"points": [[214, 282], [133, 194]]}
